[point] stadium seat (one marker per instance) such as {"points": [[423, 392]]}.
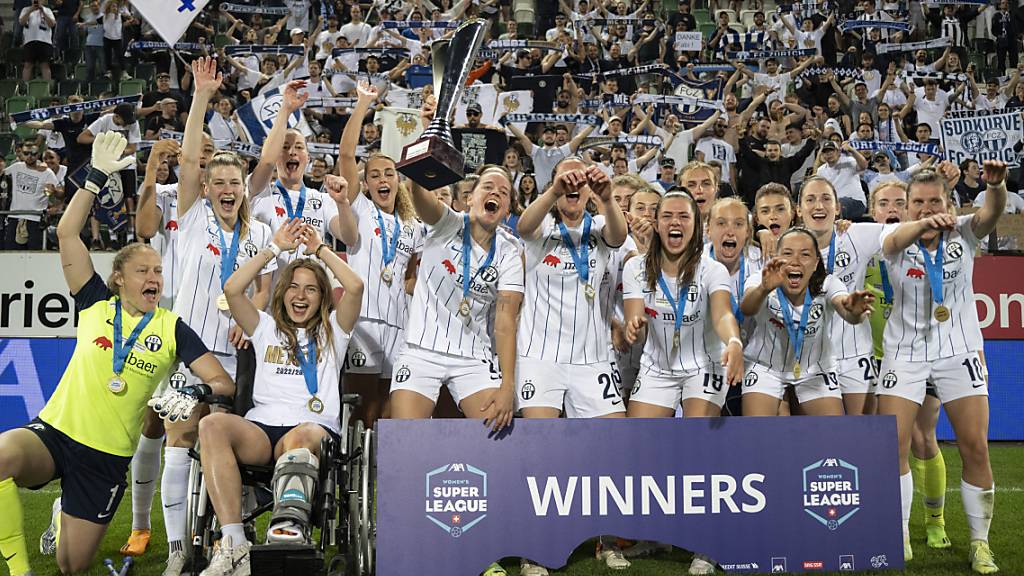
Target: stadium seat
{"points": [[8, 87], [97, 87], [144, 71], [132, 87], [747, 18], [221, 40], [707, 29], [7, 146], [701, 15], [39, 89], [19, 104], [81, 72], [66, 88]]}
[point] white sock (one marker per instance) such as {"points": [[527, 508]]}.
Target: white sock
{"points": [[173, 493], [145, 469], [906, 499], [978, 505], [233, 534]]}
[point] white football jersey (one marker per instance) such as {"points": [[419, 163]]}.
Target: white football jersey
{"points": [[382, 301], [166, 240], [559, 323], [753, 262], [853, 253], [200, 255], [434, 320], [318, 211], [280, 396], [699, 344], [912, 333], [768, 343], [611, 281]]}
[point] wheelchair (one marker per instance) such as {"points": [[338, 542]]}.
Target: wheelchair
{"points": [[342, 510]]}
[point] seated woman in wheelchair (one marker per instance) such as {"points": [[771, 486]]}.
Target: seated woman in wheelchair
{"points": [[299, 346]]}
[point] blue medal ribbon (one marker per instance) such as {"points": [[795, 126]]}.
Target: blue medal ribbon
{"points": [[678, 303], [122, 349], [580, 257], [831, 262], [307, 361], [292, 212], [739, 289], [796, 332], [467, 255], [886, 284], [227, 257], [934, 268], [389, 247]]}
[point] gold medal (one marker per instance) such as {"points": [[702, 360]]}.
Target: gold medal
{"points": [[464, 307], [117, 384], [589, 291], [941, 313], [222, 303], [387, 276], [316, 405], [796, 369]]}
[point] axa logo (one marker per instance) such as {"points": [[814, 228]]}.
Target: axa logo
{"points": [[456, 498], [103, 342], [831, 489]]}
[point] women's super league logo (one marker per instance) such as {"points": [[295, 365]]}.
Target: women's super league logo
{"points": [[456, 497], [831, 491]]}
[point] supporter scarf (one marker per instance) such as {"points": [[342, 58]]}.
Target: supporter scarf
{"points": [[594, 141], [840, 72], [394, 52], [912, 46], [330, 103], [243, 9], [610, 21], [645, 69], [371, 78], [616, 100], [591, 119], [749, 40], [408, 24], [702, 68], [520, 44], [957, 2], [887, 24], [991, 136], [937, 76], [909, 147], [322, 148], [296, 50], [762, 54], [52, 111], [680, 101], [139, 45]]}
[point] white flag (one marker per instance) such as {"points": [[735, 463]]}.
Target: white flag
{"points": [[170, 18], [398, 127], [483, 94], [256, 117], [514, 102]]}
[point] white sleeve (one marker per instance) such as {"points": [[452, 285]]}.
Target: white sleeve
{"points": [[717, 278], [511, 275], [966, 230], [449, 222], [753, 281], [833, 287], [632, 280], [134, 137], [866, 237]]}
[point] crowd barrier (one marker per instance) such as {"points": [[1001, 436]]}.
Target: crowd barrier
{"points": [[755, 494]]}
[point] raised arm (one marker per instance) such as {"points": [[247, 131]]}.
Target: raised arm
{"points": [[343, 226], [615, 228], [577, 140], [349, 170], [854, 307], [243, 310], [74, 255], [531, 218], [984, 220], [699, 129], [208, 81], [910, 232], [346, 312], [771, 278], [291, 101], [147, 214], [523, 139]]}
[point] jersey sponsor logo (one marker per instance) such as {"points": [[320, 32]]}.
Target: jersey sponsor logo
{"points": [[552, 260], [103, 342], [448, 266], [279, 211], [376, 231], [915, 273], [172, 226], [213, 249], [153, 343], [489, 274], [315, 203], [140, 364], [954, 250], [177, 379], [528, 390], [403, 374], [816, 311], [843, 259], [456, 497], [831, 491]]}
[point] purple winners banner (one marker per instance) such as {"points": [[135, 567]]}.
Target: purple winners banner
{"points": [[756, 494]]}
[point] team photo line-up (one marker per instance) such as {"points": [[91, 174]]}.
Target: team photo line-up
{"points": [[582, 289]]}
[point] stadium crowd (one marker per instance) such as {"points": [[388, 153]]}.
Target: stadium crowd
{"points": [[642, 189]]}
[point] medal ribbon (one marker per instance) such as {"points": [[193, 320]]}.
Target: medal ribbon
{"points": [[388, 248], [886, 284], [831, 263], [934, 268], [122, 349], [227, 257], [796, 332], [307, 362], [580, 257], [292, 212], [467, 255], [733, 299], [678, 303]]}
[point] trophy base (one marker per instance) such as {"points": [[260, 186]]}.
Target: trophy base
{"points": [[432, 163]]}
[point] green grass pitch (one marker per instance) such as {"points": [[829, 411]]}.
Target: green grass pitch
{"points": [[1007, 529]]}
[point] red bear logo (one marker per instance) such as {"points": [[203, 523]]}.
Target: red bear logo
{"points": [[172, 225], [552, 260], [915, 273], [651, 312], [376, 231], [279, 211], [447, 265], [103, 342], [775, 322], [214, 249]]}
